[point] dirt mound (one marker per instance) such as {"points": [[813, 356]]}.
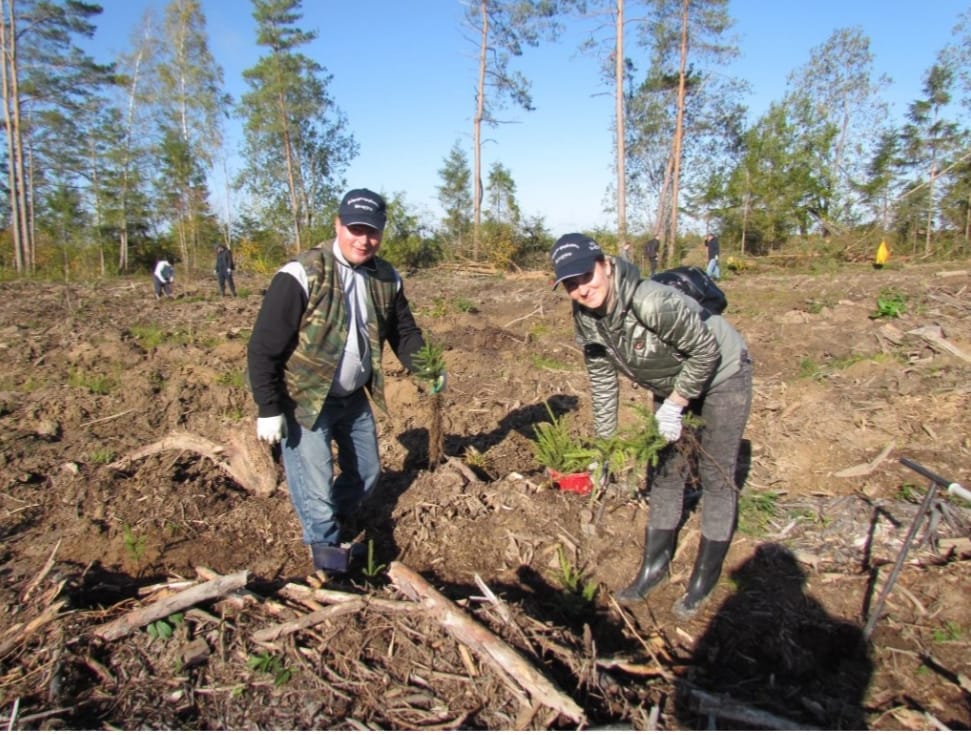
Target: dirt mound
{"points": [[131, 480]]}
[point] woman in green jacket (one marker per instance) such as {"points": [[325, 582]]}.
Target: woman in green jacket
{"points": [[690, 360]]}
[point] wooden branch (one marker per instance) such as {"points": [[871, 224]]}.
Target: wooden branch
{"points": [[243, 458], [45, 570], [867, 467], [537, 310], [307, 621], [23, 633], [724, 706], [308, 596], [135, 619], [935, 336], [462, 468], [495, 651]]}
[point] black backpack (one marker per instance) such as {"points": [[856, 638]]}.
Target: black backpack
{"points": [[697, 284]]}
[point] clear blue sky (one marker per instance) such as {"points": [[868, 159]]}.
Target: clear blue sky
{"points": [[404, 74]]}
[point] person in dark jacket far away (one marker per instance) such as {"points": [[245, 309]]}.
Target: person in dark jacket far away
{"points": [[314, 358], [650, 253], [690, 360], [224, 270], [713, 250]]}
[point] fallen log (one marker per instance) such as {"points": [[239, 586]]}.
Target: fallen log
{"points": [[203, 592], [489, 646], [243, 458]]}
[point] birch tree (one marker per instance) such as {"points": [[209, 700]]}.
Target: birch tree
{"points": [[191, 104], [842, 90]]}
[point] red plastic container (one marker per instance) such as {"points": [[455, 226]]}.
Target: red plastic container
{"points": [[571, 482]]}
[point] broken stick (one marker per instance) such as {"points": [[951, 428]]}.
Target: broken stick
{"points": [[494, 650], [135, 619]]}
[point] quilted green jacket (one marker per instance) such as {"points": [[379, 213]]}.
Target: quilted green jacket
{"points": [[658, 337]]}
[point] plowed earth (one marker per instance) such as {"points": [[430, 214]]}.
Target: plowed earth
{"points": [[98, 522]]}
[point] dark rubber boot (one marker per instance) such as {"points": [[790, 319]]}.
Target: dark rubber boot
{"points": [[704, 576], [658, 550], [328, 558]]}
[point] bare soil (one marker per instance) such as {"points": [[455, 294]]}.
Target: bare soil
{"points": [[92, 533]]}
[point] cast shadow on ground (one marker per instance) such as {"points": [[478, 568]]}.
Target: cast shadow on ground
{"points": [[522, 420], [775, 649]]}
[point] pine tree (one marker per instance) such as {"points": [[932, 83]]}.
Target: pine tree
{"points": [[296, 147], [45, 78]]}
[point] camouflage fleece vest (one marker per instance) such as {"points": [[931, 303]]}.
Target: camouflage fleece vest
{"points": [[323, 331]]}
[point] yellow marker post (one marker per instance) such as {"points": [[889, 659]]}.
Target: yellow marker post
{"points": [[883, 255]]}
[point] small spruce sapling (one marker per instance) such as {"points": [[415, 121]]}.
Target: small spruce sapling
{"points": [[430, 366]]}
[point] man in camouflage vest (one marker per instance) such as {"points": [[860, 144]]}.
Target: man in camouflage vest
{"points": [[314, 358]]}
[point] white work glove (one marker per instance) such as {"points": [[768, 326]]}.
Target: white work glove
{"points": [[668, 418], [440, 383], [271, 429]]}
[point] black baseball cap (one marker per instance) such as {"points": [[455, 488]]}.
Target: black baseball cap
{"points": [[574, 255], [363, 207]]}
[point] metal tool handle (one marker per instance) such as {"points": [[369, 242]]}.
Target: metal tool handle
{"points": [[952, 488], [936, 482], [961, 492]]}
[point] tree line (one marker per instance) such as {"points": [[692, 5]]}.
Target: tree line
{"points": [[108, 165]]}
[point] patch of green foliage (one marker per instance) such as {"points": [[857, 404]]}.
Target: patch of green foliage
{"points": [[268, 663], [163, 629], [755, 511], [372, 569], [134, 543], [544, 362], [580, 592], [950, 632], [102, 455], [232, 378], [890, 304], [148, 337], [465, 306], [96, 383], [556, 448]]}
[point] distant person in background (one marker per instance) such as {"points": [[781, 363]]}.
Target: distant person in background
{"points": [[693, 362], [624, 251], [162, 278], [711, 244], [650, 253], [224, 270]]}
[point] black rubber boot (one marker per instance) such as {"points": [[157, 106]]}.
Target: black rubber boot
{"points": [[658, 550], [704, 576], [329, 558]]}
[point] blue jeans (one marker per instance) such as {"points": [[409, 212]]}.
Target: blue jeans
{"points": [[318, 499], [713, 270]]}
